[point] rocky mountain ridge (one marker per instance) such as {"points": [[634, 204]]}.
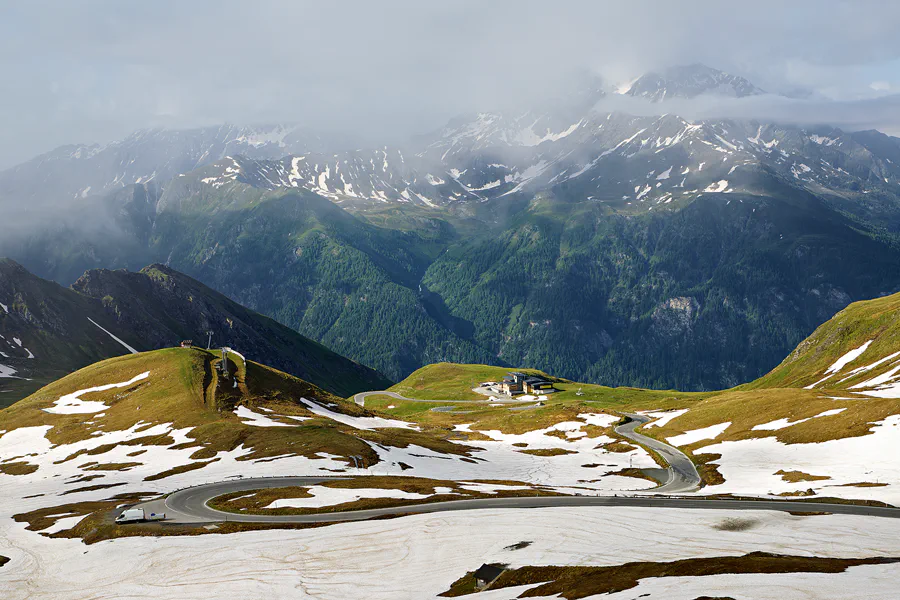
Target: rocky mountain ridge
{"points": [[48, 330]]}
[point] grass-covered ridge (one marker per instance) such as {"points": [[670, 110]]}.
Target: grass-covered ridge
{"points": [[452, 381], [48, 331], [876, 321], [185, 390]]}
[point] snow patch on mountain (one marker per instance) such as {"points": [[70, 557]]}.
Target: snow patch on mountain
{"points": [[72, 404]]}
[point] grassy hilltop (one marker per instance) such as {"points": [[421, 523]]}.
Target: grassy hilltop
{"points": [[184, 388]]}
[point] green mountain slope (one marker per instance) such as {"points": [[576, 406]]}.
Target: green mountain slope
{"points": [[704, 296], [857, 345], [309, 264]]}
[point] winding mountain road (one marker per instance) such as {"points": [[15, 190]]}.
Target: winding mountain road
{"points": [[683, 475], [192, 505]]}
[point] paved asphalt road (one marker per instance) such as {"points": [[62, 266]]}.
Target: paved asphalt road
{"points": [[683, 475], [190, 505]]}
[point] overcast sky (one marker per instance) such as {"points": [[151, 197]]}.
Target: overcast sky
{"points": [[94, 70]]}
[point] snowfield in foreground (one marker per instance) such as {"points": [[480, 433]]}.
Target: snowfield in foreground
{"points": [[61, 568], [418, 557]]}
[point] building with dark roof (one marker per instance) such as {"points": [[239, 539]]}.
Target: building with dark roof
{"points": [[516, 383], [487, 574], [538, 385]]}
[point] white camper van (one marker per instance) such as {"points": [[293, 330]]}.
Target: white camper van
{"points": [[137, 515]]}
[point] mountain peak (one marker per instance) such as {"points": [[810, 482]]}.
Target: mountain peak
{"points": [[690, 81]]}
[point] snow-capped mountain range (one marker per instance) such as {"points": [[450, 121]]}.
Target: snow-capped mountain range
{"points": [[147, 155], [628, 162]]}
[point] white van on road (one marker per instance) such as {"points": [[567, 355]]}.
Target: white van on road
{"points": [[137, 515]]}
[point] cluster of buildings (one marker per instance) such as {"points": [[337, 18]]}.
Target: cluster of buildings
{"points": [[517, 383]]}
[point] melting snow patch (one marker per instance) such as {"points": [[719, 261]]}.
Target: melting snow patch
{"points": [[719, 186], [528, 137], [256, 419], [488, 186], [4, 307], [327, 496], [866, 368], [599, 419], [492, 488], [848, 358], [72, 404], [695, 435], [356, 422], [63, 524], [7, 372], [885, 385], [663, 417], [822, 140], [752, 465], [841, 363], [782, 423], [879, 380]]}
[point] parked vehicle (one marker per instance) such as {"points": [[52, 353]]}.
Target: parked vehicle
{"points": [[131, 515], [137, 515]]}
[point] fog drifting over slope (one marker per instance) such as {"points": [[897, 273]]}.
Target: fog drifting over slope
{"points": [[95, 70]]}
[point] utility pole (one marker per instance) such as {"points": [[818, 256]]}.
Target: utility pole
{"points": [[225, 364]]}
